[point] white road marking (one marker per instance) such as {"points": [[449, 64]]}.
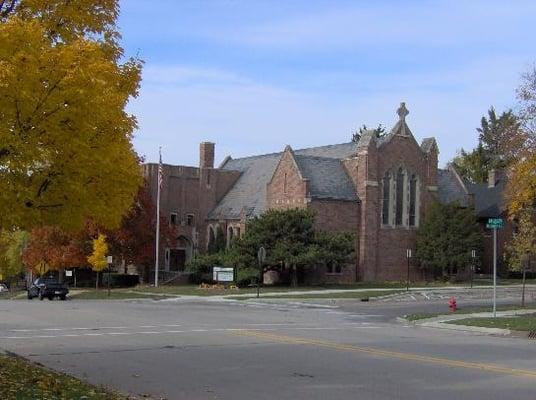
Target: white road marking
{"points": [[182, 331], [94, 328]]}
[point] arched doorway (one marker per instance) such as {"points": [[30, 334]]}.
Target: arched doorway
{"points": [[181, 254]]}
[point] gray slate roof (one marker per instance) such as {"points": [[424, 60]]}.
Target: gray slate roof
{"points": [[249, 191], [449, 188], [327, 178], [489, 202]]}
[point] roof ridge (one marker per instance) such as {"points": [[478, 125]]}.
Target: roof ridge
{"points": [[295, 151]]}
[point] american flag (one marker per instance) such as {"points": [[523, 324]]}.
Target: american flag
{"points": [[160, 172]]}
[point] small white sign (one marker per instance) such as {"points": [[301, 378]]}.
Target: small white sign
{"points": [[109, 259], [68, 273], [221, 274]]}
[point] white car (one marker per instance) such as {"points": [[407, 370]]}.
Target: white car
{"points": [[3, 288]]}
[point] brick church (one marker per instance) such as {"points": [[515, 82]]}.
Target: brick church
{"points": [[378, 188]]}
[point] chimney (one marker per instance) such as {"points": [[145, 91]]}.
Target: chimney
{"points": [[492, 178], [206, 155]]}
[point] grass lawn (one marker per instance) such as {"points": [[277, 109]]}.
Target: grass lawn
{"points": [[344, 295], [468, 310], [115, 294], [12, 295], [520, 323], [21, 379]]}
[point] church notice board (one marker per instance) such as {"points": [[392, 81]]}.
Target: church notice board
{"points": [[222, 274]]}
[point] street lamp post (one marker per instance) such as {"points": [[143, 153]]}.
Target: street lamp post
{"points": [[473, 258], [524, 265], [408, 256]]}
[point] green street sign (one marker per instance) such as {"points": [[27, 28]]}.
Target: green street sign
{"points": [[495, 223]]}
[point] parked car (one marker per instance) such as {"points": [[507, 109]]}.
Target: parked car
{"points": [[3, 288], [47, 287]]}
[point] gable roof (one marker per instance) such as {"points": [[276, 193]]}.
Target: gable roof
{"points": [[489, 201], [327, 178], [249, 192], [450, 188]]}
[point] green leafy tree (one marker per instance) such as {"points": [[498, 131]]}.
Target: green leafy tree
{"points": [[291, 243], [11, 248], [501, 141], [446, 237]]}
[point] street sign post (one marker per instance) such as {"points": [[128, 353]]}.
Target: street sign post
{"points": [[495, 223], [408, 256], [261, 257], [473, 257], [109, 260]]}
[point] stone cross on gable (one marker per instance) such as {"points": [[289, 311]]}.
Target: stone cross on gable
{"points": [[402, 111]]}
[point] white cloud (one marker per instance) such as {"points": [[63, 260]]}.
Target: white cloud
{"points": [[181, 106]]}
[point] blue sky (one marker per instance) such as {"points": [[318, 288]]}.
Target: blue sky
{"points": [[253, 76]]}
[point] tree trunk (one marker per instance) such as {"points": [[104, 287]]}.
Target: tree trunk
{"points": [[61, 274], [294, 274], [97, 282]]}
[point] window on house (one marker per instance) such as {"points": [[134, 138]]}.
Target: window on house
{"points": [[399, 197], [173, 217], [386, 196], [412, 200], [189, 219], [285, 184], [333, 268], [208, 177]]}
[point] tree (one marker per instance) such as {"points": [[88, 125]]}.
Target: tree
{"points": [[97, 259], [501, 141], [51, 249], [526, 94], [134, 241], [473, 166], [65, 139], [523, 241], [356, 136], [521, 188], [446, 237], [11, 247], [291, 243]]}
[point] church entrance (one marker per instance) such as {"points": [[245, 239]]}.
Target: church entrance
{"points": [[177, 259], [180, 255]]}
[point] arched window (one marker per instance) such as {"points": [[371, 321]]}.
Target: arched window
{"points": [[230, 236], [399, 197], [412, 200], [386, 198], [211, 238]]}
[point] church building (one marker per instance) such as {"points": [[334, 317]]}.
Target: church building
{"points": [[378, 188]]}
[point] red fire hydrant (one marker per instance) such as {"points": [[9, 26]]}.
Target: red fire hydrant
{"points": [[452, 304]]}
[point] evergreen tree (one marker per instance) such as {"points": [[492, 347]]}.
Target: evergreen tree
{"points": [[446, 237]]}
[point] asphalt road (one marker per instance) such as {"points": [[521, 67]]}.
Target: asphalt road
{"points": [[247, 350]]}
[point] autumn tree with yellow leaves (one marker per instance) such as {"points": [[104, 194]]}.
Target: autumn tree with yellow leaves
{"points": [[97, 259], [66, 151]]}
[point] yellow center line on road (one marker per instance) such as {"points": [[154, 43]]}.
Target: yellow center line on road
{"points": [[389, 354]]}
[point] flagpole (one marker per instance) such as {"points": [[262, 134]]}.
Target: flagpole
{"points": [[157, 246]]}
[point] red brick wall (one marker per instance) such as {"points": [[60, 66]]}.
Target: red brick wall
{"points": [[382, 252], [292, 194]]}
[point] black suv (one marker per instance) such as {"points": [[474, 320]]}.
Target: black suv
{"points": [[47, 287]]}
